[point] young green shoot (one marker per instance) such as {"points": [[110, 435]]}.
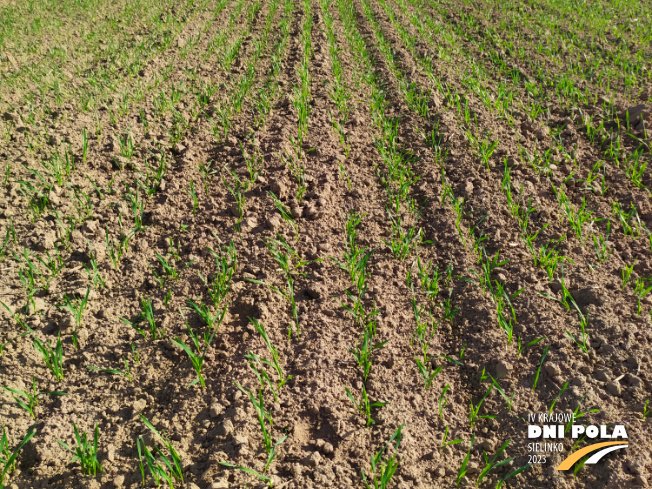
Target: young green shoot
{"points": [[85, 451], [543, 358], [462, 470], [30, 400], [53, 357], [76, 307], [383, 466], [7, 458], [162, 467], [126, 372]]}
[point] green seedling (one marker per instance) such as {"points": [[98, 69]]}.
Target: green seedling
{"points": [[126, 372], [427, 373], [93, 271], [443, 401], [85, 451], [462, 470], [494, 463], [55, 264], [11, 340], [646, 410], [508, 400], [365, 405], [429, 279], [641, 291], [220, 285], [76, 308], [53, 357], [552, 406], [7, 458], [383, 466], [193, 196], [258, 365], [147, 314], [576, 217], [543, 358], [17, 317], [246, 470], [627, 272], [355, 257], [583, 323], [31, 398], [446, 443], [522, 348], [254, 163], [286, 214], [207, 173], [265, 422], [363, 352], [211, 320], [197, 359], [237, 190], [134, 353], [404, 242], [168, 267], [512, 474], [272, 350], [290, 262], [600, 244], [474, 414], [162, 467]]}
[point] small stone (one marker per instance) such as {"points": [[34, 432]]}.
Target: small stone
{"points": [[634, 113], [216, 410], [314, 460], [613, 388], [316, 291], [234, 209], [226, 428], [488, 445], [178, 148], [221, 484], [48, 241], [119, 480], [633, 381], [297, 212], [327, 448], [503, 368], [542, 133], [552, 167], [140, 405], [603, 375], [251, 222], [440, 472], [241, 440], [552, 369], [274, 222], [279, 189]]}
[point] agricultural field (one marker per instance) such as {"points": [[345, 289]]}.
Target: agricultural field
{"points": [[337, 243]]}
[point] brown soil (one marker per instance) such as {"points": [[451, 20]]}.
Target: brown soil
{"points": [[328, 444]]}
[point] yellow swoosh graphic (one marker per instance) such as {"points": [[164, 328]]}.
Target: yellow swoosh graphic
{"points": [[574, 457]]}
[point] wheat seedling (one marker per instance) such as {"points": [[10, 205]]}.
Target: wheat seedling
{"points": [[85, 451]]}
